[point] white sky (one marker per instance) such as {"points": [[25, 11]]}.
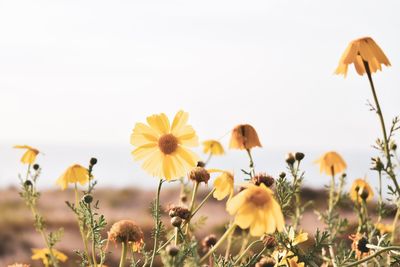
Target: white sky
{"points": [[83, 72]]}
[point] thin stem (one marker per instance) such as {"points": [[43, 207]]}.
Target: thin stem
{"points": [[251, 165], [245, 251], [220, 241], [372, 256], [192, 202], [208, 159], [93, 238], [123, 255], [395, 220], [229, 244], [157, 223]]}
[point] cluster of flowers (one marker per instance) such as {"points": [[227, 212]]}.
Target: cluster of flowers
{"points": [[265, 212]]}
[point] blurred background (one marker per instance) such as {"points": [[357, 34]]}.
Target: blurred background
{"points": [[75, 77]]}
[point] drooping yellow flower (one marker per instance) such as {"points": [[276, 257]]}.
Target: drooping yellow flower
{"points": [[384, 228], [223, 184], [74, 174], [360, 51], [256, 208], [162, 146], [30, 154], [213, 147], [297, 239], [244, 136], [331, 163], [360, 190], [44, 255]]}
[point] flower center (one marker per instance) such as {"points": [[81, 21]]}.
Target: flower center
{"points": [[168, 143], [259, 197]]}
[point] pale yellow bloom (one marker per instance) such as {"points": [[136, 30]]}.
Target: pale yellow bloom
{"points": [[244, 136], [360, 50], [19, 265], [223, 184], [331, 163], [74, 174], [163, 147], [359, 190], [384, 228], [213, 147], [30, 154], [44, 255], [297, 239], [256, 208], [286, 258]]}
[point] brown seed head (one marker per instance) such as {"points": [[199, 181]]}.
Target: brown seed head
{"points": [[265, 262], [181, 212], [126, 231], [199, 174], [168, 143], [290, 159], [263, 178], [176, 221]]}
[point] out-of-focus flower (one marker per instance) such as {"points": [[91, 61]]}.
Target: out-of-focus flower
{"points": [[384, 228], [44, 255], [213, 147], [297, 239], [263, 178], [360, 51], [256, 208], [223, 184], [208, 242], [266, 262], [128, 232], [360, 190], [162, 146], [359, 245], [286, 258], [30, 154], [244, 136], [178, 211], [331, 163], [74, 174], [19, 265]]}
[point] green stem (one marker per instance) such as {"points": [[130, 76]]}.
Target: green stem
{"points": [[157, 223], [237, 261], [192, 202], [372, 256], [123, 255], [395, 220], [252, 169], [93, 237], [229, 244], [208, 159], [220, 241]]}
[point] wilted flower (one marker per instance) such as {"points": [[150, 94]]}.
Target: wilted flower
{"points": [[331, 163], [263, 178], [213, 147], [244, 136], [360, 190], [30, 154], [178, 211], [360, 51], [74, 174], [163, 146], [223, 184], [384, 228], [199, 174], [128, 232], [359, 245], [44, 255], [297, 239], [256, 208]]}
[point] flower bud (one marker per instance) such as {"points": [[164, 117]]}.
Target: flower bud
{"points": [[172, 250], [87, 199], [93, 161], [183, 198], [377, 164], [282, 175], [299, 156], [176, 221], [362, 245], [28, 183], [262, 178], [393, 146], [290, 159], [364, 194], [180, 212], [201, 164], [36, 167]]}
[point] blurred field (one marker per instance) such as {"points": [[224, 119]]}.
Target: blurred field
{"points": [[17, 234]]}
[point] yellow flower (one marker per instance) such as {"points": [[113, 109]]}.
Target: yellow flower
{"points": [[29, 156], [331, 163], [384, 228], [163, 146], [223, 184], [256, 208], [359, 190], [244, 136], [19, 265], [213, 147], [297, 239], [286, 258], [44, 255], [360, 50], [74, 174]]}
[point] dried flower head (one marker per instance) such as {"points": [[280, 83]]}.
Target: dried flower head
{"points": [[244, 136], [263, 178], [176, 221], [127, 231], [213, 147], [74, 174], [361, 52], [269, 241], [359, 245], [331, 163], [163, 146], [290, 159], [266, 262], [199, 174], [178, 211], [30, 154], [361, 190], [172, 250], [208, 242]]}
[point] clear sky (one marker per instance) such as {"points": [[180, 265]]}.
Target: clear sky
{"points": [[83, 72]]}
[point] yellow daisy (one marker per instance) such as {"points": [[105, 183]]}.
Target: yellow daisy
{"points": [[331, 163], [223, 184], [256, 208], [213, 147], [30, 154], [360, 51], [359, 190], [44, 255], [162, 146], [74, 174], [244, 136]]}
